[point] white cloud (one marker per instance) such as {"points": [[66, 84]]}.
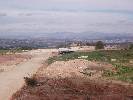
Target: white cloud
{"points": [[68, 4], [68, 22], [66, 15]]}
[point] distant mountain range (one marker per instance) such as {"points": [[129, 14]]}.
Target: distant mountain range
{"points": [[69, 35]]}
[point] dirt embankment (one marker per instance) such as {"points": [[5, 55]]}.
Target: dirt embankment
{"points": [[66, 81]]}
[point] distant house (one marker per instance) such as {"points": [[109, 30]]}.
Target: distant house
{"points": [[116, 47]]}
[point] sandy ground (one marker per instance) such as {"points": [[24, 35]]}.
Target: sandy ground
{"points": [[12, 80]]}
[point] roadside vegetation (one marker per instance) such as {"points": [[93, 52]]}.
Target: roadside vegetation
{"points": [[120, 59], [4, 51], [8, 51]]}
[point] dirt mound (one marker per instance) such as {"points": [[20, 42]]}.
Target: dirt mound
{"points": [[71, 68]]}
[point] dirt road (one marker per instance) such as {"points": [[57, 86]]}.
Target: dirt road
{"points": [[12, 80]]}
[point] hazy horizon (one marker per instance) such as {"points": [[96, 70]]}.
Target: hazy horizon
{"points": [[32, 17]]}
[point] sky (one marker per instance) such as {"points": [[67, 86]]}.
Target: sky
{"points": [[48, 16]]}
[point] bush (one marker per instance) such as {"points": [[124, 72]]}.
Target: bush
{"points": [[99, 45], [30, 81], [131, 47], [108, 73]]}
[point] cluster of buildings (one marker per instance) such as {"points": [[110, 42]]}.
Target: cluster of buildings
{"points": [[116, 46]]}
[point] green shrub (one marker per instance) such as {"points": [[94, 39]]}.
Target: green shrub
{"points": [[99, 45], [108, 73], [131, 46]]}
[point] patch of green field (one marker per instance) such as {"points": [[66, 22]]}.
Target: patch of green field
{"points": [[121, 56], [5, 51], [75, 55]]}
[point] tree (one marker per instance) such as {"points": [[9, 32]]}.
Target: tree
{"points": [[131, 46], [99, 45], [88, 44]]}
